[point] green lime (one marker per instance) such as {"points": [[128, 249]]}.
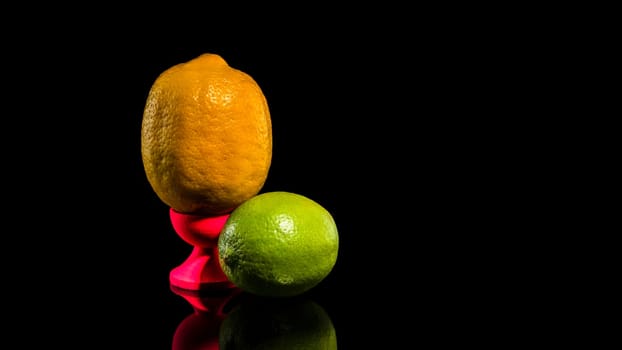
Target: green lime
{"points": [[278, 244], [277, 324]]}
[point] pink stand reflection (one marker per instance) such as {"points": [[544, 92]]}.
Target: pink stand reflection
{"points": [[200, 330]]}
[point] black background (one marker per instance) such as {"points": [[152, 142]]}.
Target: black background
{"points": [[383, 128]]}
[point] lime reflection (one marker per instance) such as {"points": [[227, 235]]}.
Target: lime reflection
{"points": [[277, 323]]}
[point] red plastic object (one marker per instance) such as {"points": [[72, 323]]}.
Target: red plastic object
{"points": [[201, 270]]}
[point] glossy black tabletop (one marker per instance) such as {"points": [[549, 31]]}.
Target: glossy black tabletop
{"points": [[360, 128]]}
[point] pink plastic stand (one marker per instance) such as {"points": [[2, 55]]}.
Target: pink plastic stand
{"points": [[201, 270]]}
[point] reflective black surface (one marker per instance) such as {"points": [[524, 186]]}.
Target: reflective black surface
{"points": [[235, 320], [381, 135]]}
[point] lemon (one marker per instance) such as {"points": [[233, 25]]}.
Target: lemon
{"points": [[278, 244], [206, 137], [277, 324]]}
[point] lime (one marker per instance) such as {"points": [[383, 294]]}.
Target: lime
{"points": [[278, 244]]}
